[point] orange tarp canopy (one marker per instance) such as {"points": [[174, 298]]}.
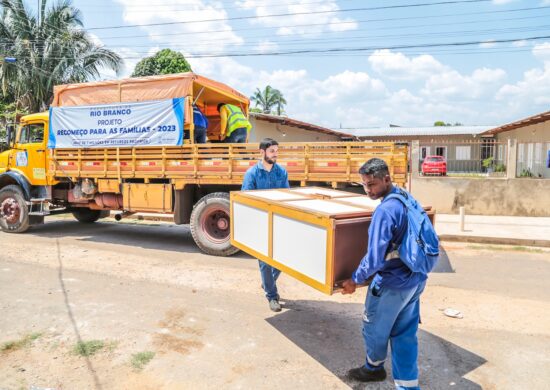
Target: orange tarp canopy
{"points": [[147, 88]]}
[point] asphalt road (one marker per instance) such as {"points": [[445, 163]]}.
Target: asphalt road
{"points": [[140, 288]]}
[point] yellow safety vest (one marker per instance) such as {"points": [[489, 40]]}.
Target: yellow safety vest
{"points": [[236, 119]]}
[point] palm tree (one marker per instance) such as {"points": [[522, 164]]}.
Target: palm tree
{"points": [[268, 99], [53, 50]]}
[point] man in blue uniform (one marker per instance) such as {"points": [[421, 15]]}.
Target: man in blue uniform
{"points": [[267, 174], [201, 124], [392, 307]]}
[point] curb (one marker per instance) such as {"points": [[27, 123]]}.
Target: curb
{"points": [[495, 240]]}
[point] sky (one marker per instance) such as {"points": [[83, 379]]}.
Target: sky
{"points": [[350, 64]]}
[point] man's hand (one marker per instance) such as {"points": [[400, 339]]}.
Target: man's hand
{"points": [[348, 286]]}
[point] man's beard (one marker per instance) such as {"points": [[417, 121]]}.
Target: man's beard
{"points": [[270, 161]]}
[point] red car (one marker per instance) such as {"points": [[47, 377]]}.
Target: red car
{"points": [[434, 165]]}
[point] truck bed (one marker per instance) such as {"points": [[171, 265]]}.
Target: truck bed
{"points": [[213, 163]]}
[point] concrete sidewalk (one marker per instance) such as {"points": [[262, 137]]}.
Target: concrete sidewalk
{"points": [[534, 231]]}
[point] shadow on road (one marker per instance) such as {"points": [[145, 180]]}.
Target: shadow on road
{"points": [[328, 333], [444, 263], [176, 238], [70, 314]]}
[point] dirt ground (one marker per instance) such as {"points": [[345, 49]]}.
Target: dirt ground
{"points": [[146, 288]]}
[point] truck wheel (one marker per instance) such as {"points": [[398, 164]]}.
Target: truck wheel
{"points": [[14, 213], [210, 225], [85, 215]]}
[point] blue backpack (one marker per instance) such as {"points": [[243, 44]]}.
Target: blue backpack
{"points": [[419, 249]]}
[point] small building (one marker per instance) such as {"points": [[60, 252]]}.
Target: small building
{"points": [[464, 147], [532, 135], [285, 129]]}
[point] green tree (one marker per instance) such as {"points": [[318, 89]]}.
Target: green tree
{"points": [[52, 49], [165, 61], [441, 123], [270, 100]]}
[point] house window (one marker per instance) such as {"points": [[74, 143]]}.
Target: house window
{"points": [[521, 153], [463, 152], [500, 152], [441, 151], [424, 152], [530, 155]]}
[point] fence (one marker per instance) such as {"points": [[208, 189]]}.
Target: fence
{"points": [[471, 157], [533, 159]]}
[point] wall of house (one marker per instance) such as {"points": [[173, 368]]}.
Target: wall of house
{"points": [[533, 146], [464, 153], [263, 129], [482, 195], [539, 132], [526, 197]]}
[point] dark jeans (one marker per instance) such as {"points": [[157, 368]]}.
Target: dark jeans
{"points": [[269, 279], [238, 136], [200, 135]]}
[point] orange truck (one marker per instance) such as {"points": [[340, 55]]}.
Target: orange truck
{"points": [[75, 159]]}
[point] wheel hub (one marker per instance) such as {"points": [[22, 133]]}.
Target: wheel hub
{"points": [[10, 210], [215, 224]]}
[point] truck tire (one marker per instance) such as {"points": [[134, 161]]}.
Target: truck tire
{"points": [[85, 215], [14, 213], [210, 225]]}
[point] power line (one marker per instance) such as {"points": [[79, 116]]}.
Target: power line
{"points": [[335, 23], [207, 42], [291, 14], [372, 48], [356, 49]]}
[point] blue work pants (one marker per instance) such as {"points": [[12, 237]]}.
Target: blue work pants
{"points": [[392, 316]]}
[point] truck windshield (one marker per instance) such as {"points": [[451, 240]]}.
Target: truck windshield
{"points": [[31, 134]]}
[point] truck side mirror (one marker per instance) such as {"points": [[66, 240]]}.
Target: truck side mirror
{"points": [[10, 135]]}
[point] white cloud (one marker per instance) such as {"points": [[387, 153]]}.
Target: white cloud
{"points": [[521, 43], [266, 46], [534, 88], [183, 11], [542, 51], [488, 44], [450, 84], [129, 56], [294, 24], [500, 2], [400, 67]]}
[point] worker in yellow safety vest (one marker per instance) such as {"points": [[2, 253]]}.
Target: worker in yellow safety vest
{"points": [[234, 124]]}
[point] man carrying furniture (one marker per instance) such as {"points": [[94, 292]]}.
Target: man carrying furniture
{"points": [[402, 249], [267, 174]]}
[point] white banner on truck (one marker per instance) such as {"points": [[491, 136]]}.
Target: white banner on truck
{"points": [[151, 123]]}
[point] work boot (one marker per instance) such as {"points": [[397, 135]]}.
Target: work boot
{"points": [[274, 305], [363, 374]]}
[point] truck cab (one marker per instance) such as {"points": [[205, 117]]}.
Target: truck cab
{"points": [[23, 170]]}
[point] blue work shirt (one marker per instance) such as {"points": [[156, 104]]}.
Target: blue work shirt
{"points": [[258, 178], [388, 226], [199, 119]]}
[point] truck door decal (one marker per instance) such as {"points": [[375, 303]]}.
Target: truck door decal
{"points": [[22, 159]]}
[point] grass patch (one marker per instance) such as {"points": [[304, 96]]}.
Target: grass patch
{"points": [[88, 348], [140, 359], [23, 342], [507, 248]]}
